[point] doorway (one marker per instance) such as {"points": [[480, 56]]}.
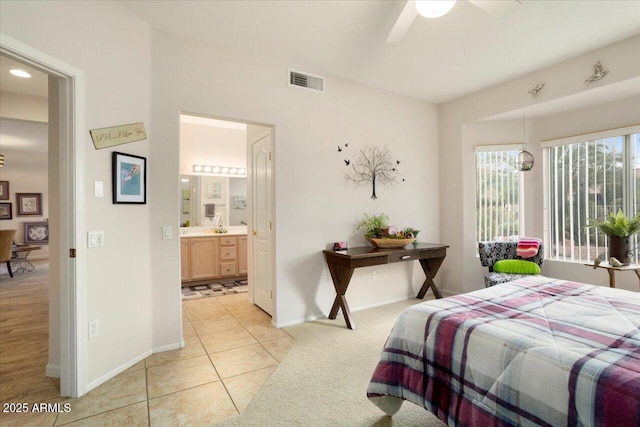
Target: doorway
{"points": [[65, 118], [225, 186]]}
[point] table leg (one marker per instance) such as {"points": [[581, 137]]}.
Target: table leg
{"points": [[341, 277], [637, 274], [430, 266], [612, 278], [20, 264]]}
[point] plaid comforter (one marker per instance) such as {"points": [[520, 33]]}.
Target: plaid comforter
{"points": [[535, 351]]}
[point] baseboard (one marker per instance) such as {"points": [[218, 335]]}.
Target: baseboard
{"points": [[324, 316], [52, 371], [106, 377], [168, 347]]}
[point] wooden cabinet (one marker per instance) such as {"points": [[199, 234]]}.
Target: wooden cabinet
{"points": [[212, 257], [228, 256], [242, 255], [204, 258], [185, 252]]}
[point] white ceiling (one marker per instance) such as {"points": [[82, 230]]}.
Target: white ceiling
{"points": [[437, 60], [36, 85]]}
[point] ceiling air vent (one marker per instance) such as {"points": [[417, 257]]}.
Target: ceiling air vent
{"points": [[306, 81]]}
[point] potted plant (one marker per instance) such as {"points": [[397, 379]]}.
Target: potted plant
{"points": [[618, 228], [380, 234]]}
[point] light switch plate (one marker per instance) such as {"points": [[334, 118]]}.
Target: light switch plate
{"points": [[98, 189], [95, 239], [167, 232]]}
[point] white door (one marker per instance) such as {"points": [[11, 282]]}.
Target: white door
{"points": [[261, 222]]}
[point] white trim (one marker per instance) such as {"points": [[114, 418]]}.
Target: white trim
{"points": [[592, 136], [73, 375], [52, 371], [174, 346], [120, 369], [340, 317]]}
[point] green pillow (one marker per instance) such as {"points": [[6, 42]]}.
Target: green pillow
{"points": [[516, 266]]}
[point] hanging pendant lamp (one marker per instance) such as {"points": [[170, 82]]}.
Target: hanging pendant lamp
{"points": [[525, 159]]}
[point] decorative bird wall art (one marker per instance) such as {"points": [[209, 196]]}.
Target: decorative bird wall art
{"points": [[598, 73], [374, 165]]}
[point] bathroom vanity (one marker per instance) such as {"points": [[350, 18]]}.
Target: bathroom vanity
{"points": [[207, 256]]}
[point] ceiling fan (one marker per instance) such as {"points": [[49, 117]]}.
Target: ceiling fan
{"points": [[437, 8]]}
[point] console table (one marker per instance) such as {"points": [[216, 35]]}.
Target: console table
{"points": [[343, 263]]}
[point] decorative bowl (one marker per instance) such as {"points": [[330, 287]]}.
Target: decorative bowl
{"points": [[389, 243]]}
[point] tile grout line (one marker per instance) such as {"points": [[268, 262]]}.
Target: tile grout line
{"points": [[146, 383]]}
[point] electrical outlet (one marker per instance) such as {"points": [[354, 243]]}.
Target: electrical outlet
{"points": [[374, 275], [93, 329]]}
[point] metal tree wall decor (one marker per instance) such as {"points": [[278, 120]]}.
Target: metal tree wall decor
{"points": [[373, 165]]}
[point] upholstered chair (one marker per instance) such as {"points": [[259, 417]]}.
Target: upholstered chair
{"points": [[491, 252], [6, 240]]}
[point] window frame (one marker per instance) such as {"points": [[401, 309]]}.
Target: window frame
{"points": [[629, 155]]}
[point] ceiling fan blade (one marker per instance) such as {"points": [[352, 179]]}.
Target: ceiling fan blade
{"points": [[499, 8], [404, 21]]}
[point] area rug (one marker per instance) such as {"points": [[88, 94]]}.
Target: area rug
{"points": [[214, 289], [323, 379]]}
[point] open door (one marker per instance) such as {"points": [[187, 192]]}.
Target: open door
{"points": [[261, 226]]}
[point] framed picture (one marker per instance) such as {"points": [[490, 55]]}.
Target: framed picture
{"points": [[129, 178], [4, 190], [29, 204], [5, 211], [214, 190], [36, 233], [239, 202]]}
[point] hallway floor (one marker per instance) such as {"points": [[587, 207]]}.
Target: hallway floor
{"points": [[231, 350]]}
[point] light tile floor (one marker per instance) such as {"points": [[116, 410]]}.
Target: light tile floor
{"points": [[231, 350]]}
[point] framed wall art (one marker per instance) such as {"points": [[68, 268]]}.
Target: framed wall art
{"points": [[5, 211], [129, 178], [36, 233], [4, 190], [29, 204]]}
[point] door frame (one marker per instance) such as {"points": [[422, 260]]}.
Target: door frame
{"points": [[71, 129]]}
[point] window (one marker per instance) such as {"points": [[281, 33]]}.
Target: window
{"points": [[497, 194], [589, 179]]}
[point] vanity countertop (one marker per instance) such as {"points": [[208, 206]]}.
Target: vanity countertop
{"points": [[209, 231]]}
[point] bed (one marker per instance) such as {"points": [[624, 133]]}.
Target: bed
{"points": [[535, 351]]}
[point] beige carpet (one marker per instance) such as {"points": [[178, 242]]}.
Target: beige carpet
{"points": [[323, 380]]}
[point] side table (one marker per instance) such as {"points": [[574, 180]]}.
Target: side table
{"points": [[612, 270], [20, 264]]}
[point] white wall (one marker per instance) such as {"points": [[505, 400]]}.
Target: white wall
{"points": [[314, 205], [26, 172], [208, 145], [23, 107], [112, 47], [459, 133]]}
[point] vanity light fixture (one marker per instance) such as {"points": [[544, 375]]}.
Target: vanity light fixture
{"points": [[220, 170], [20, 73]]}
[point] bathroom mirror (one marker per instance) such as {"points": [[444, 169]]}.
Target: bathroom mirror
{"points": [[204, 196]]}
